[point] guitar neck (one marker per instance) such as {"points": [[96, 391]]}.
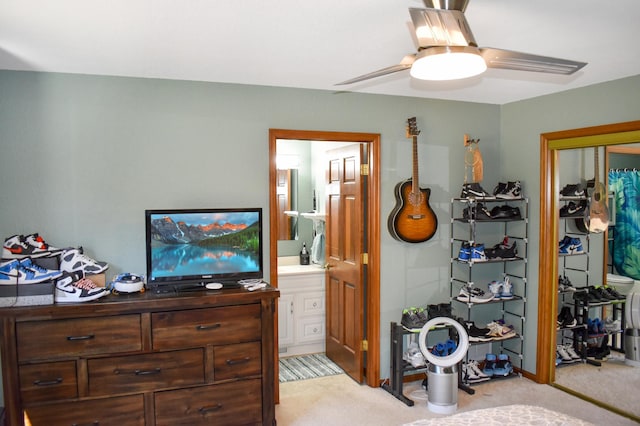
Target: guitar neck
{"points": [[415, 182]]}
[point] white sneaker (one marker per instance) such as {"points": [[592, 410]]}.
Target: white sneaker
{"points": [[495, 287], [477, 372], [413, 355], [571, 352], [562, 351], [507, 289], [69, 290], [474, 295], [73, 260]]}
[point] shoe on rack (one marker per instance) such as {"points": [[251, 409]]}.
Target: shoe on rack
{"points": [[474, 190], [513, 191], [439, 349], [38, 242], [473, 365], [611, 291], [506, 292], [572, 353], [562, 351], [477, 253], [495, 288], [489, 364], [505, 212], [499, 188], [500, 331], [465, 251], [564, 284], [74, 260], [602, 294], [475, 333], [566, 319], [451, 346], [439, 310], [611, 325], [503, 366], [70, 289], [16, 247], [572, 190], [573, 210], [473, 373], [474, 295], [480, 212], [569, 246], [502, 251], [411, 320]]}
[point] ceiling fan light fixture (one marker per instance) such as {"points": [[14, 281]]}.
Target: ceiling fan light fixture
{"points": [[448, 63]]}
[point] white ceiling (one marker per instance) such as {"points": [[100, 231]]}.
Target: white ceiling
{"points": [[314, 44]]}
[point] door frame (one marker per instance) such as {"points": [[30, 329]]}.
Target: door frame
{"points": [[372, 301], [550, 144]]}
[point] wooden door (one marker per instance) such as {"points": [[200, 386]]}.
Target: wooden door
{"points": [[344, 250]]}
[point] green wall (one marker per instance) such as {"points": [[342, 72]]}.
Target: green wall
{"points": [[84, 156]]}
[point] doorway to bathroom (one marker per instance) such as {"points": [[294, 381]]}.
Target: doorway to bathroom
{"points": [[362, 341]]}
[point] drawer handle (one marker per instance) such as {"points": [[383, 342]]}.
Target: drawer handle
{"points": [[138, 372], [208, 327], [87, 337], [238, 361], [56, 381], [206, 410], [94, 423]]}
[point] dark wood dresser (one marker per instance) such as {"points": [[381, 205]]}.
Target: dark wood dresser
{"points": [[191, 358]]}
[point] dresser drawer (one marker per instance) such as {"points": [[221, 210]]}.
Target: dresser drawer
{"points": [[49, 381], [235, 403], [198, 327], [120, 411], [237, 361], [38, 340], [138, 373]]}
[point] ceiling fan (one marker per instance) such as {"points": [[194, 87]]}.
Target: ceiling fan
{"points": [[448, 51]]}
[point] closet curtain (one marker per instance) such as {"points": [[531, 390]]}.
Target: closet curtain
{"points": [[625, 245]]}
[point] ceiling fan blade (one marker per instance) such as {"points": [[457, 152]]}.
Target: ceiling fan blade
{"points": [[510, 60], [405, 64]]}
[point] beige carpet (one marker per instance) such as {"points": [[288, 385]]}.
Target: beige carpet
{"points": [[613, 383], [338, 400]]}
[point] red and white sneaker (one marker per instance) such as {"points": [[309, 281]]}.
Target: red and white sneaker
{"points": [[69, 289], [16, 247], [38, 242]]}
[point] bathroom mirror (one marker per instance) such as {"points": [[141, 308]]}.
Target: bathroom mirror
{"points": [[295, 195]]}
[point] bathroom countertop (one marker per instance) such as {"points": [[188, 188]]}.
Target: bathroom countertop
{"points": [[300, 269]]}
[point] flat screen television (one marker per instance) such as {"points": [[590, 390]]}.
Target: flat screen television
{"points": [[201, 246]]}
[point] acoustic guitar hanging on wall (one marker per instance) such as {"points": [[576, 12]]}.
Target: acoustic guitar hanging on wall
{"points": [[596, 217], [412, 219]]}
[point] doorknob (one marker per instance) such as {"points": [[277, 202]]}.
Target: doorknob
{"points": [[328, 266]]}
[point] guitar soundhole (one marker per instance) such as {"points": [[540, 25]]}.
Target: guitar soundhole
{"points": [[416, 198]]}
